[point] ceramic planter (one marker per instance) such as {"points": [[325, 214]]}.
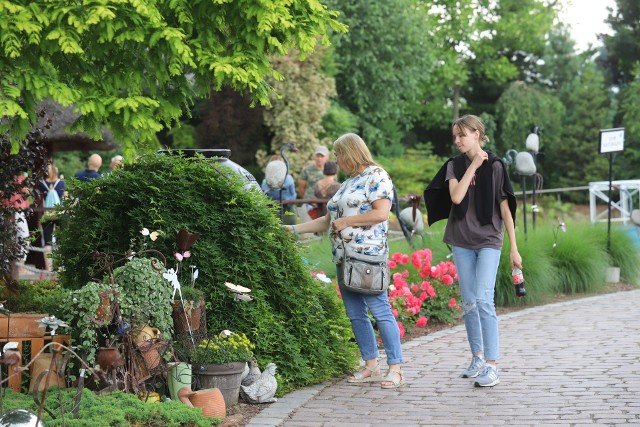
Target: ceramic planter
{"points": [[226, 377], [211, 401]]}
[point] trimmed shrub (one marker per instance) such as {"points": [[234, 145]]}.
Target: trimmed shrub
{"points": [[292, 321]]}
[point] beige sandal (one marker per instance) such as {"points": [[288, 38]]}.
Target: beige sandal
{"points": [[359, 377], [393, 379]]}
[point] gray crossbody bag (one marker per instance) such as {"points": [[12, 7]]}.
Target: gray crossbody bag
{"points": [[365, 274]]}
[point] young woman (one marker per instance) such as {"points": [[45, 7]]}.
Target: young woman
{"points": [[358, 216], [473, 191]]}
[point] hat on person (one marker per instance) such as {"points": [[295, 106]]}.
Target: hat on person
{"points": [[322, 150]]}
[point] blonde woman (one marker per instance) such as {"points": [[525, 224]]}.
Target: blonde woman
{"points": [[474, 193], [357, 216]]}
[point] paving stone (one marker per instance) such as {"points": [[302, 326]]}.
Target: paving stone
{"points": [[573, 363]]}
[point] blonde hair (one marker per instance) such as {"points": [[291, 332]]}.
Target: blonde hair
{"points": [[354, 152], [472, 123], [52, 172]]}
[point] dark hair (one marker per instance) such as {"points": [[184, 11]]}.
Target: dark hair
{"points": [[330, 168]]}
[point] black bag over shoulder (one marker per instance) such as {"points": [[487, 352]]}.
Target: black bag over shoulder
{"points": [[365, 274]]}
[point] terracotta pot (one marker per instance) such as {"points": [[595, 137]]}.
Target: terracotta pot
{"points": [[109, 358], [151, 352], [180, 317], [21, 325], [210, 401], [104, 312], [41, 364]]}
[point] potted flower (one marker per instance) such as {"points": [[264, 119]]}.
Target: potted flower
{"points": [[219, 362], [87, 309], [145, 297]]}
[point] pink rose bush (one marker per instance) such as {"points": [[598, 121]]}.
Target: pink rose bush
{"points": [[422, 292]]}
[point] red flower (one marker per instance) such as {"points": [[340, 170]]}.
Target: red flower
{"points": [[392, 264], [452, 302], [404, 259], [421, 322], [397, 256], [401, 327], [447, 280]]}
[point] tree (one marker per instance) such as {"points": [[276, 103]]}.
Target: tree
{"points": [[629, 161], [383, 61], [623, 47], [574, 159], [300, 102], [136, 65], [523, 106]]}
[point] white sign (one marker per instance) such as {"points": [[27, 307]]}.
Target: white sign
{"points": [[611, 140]]}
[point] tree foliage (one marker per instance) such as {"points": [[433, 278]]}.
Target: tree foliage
{"points": [[300, 102], [382, 61], [623, 47], [136, 65], [574, 160], [523, 106]]}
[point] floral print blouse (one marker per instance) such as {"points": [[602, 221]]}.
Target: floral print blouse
{"points": [[356, 196]]}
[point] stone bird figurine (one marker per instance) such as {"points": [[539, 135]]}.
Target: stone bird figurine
{"points": [[253, 374], [264, 389]]}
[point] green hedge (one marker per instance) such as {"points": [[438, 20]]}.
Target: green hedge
{"points": [[293, 321]]}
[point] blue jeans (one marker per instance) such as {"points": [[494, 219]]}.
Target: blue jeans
{"points": [[356, 306], [477, 270]]}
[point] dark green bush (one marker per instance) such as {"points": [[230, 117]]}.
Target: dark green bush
{"points": [[114, 409], [292, 321]]}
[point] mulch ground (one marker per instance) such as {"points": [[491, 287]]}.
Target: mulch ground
{"points": [[241, 414]]}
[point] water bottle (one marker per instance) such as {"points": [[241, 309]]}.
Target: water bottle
{"points": [[518, 282]]}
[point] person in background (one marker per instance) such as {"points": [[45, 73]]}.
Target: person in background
{"points": [[51, 224], [358, 216], [309, 176], [473, 191], [327, 186], [116, 162], [94, 163], [272, 182], [19, 202]]}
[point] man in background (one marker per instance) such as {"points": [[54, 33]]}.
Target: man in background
{"points": [[308, 179], [93, 166], [116, 162]]}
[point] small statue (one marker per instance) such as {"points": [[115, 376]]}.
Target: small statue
{"points": [[264, 389], [253, 374]]}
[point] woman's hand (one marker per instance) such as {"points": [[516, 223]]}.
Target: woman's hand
{"points": [[515, 259], [340, 224], [479, 159]]}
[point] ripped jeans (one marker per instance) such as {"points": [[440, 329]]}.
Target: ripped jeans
{"points": [[477, 269]]}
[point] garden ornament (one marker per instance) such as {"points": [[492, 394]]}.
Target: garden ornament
{"points": [[11, 354], [20, 418], [253, 374], [239, 292], [53, 323], [264, 389]]}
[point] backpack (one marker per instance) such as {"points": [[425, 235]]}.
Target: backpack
{"points": [[52, 198]]}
